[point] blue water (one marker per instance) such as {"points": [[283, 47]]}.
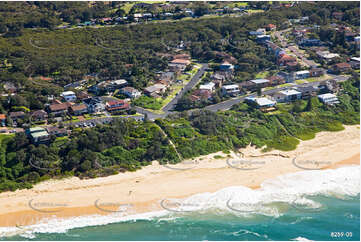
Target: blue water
{"points": [[335, 215]]}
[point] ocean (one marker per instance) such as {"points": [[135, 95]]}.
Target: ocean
{"points": [[308, 205]]}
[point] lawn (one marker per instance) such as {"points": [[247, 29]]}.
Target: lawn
{"points": [[255, 11], [300, 81], [317, 79], [148, 102], [262, 74]]}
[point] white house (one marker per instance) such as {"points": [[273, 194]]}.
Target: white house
{"points": [[301, 75], [210, 86], [287, 95], [231, 90], [130, 92], [328, 98], [261, 102], [68, 96]]}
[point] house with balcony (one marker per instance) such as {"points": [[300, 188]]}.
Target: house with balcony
{"points": [[287, 95], [230, 90], [38, 135], [68, 96], [2, 120], [117, 106], [328, 98], [263, 103], [130, 92], [78, 109], [301, 74]]}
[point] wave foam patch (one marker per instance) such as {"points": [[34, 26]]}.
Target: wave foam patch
{"points": [[60, 225], [240, 200], [290, 188]]}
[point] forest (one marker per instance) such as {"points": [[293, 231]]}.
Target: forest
{"points": [[134, 52], [127, 145]]}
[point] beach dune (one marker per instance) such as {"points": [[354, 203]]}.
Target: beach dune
{"points": [[143, 190]]}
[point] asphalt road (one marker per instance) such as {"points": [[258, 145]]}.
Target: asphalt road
{"points": [[295, 51], [196, 78]]}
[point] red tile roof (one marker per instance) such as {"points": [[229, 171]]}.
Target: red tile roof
{"points": [[343, 65], [181, 61]]}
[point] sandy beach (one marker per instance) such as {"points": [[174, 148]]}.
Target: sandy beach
{"points": [[144, 189]]}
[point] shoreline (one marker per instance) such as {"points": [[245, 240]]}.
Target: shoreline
{"points": [[145, 188]]}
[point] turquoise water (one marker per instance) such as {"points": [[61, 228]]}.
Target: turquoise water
{"points": [[335, 215]]}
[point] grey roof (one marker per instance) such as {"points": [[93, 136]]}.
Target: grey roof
{"points": [[259, 81]]}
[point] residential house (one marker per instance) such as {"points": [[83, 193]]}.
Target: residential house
{"points": [[291, 66], [341, 67], [82, 95], [14, 116], [263, 38], [230, 90], [308, 91], [59, 109], [78, 109], [218, 79], [287, 95], [164, 82], [355, 63], [111, 86], [357, 41], [276, 80], [309, 42], [337, 15], [328, 98], [2, 119], [259, 83], [117, 106], [68, 96], [56, 131], [183, 56], [155, 90], [301, 74], [108, 86], [326, 55], [166, 76], [284, 60], [329, 86], [94, 104], [39, 115], [349, 36], [270, 27], [275, 49], [226, 66], [38, 135], [10, 87], [261, 103], [316, 72], [210, 86], [258, 32], [289, 77], [130, 92], [201, 94], [179, 64]]}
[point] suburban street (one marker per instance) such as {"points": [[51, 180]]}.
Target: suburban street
{"points": [[294, 49], [196, 78]]}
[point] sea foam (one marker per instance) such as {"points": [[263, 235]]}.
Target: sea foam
{"points": [[293, 189]]}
